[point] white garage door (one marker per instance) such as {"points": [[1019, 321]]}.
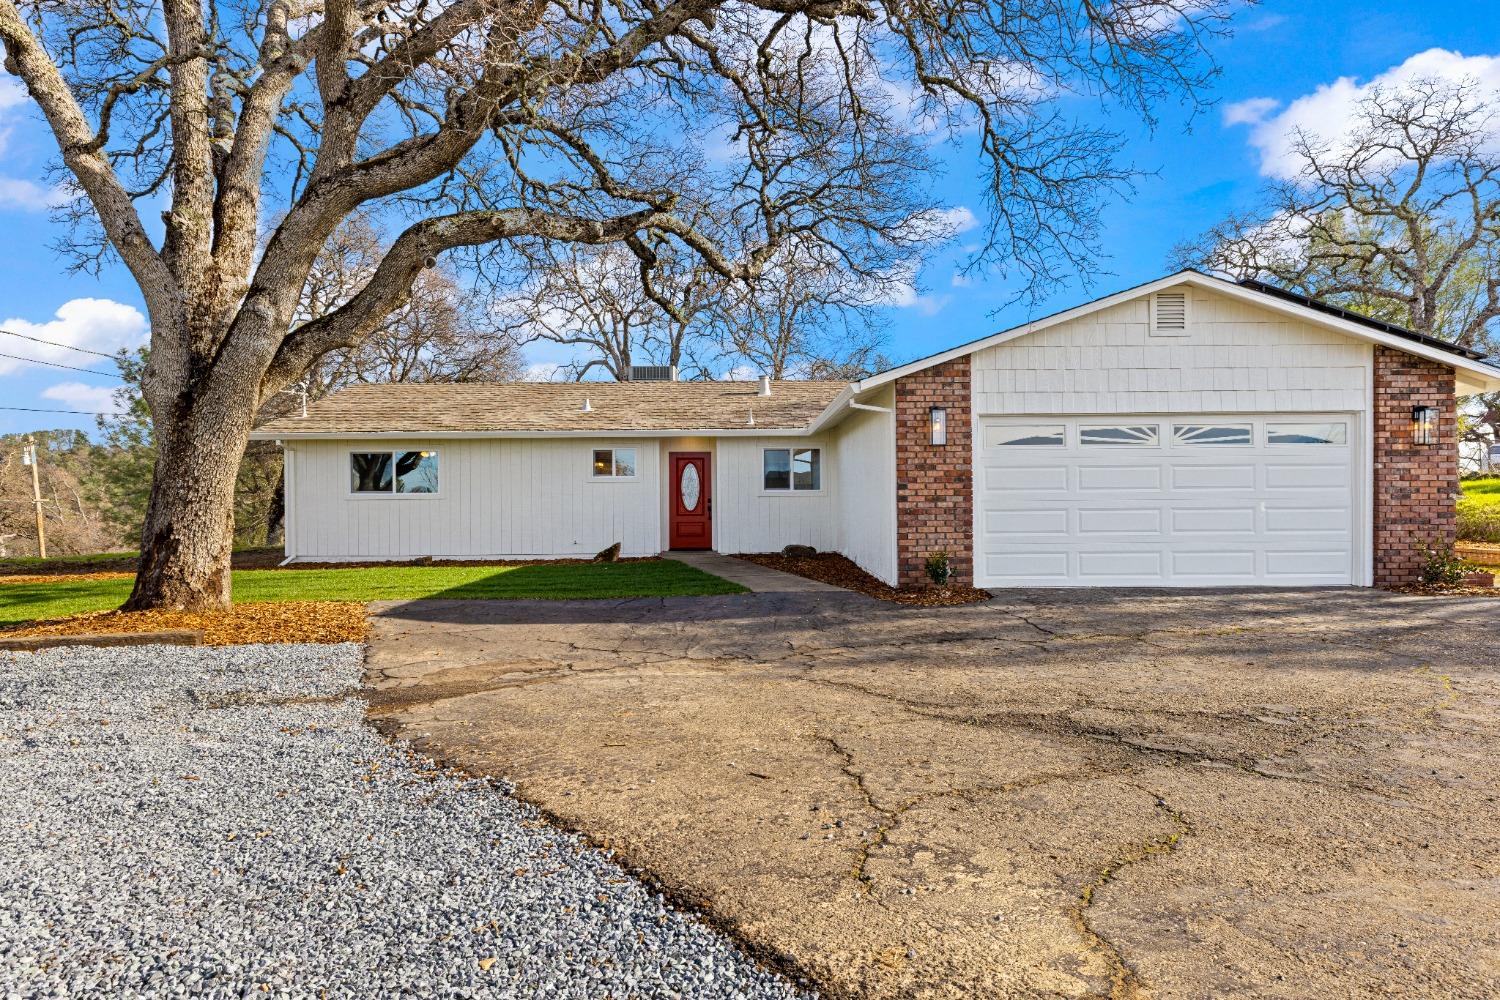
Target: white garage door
{"points": [[1178, 501]]}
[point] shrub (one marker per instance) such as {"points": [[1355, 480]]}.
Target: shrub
{"points": [[1441, 566], [1478, 522], [939, 569]]}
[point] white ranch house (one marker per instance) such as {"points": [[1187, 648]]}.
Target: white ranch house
{"points": [[1188, 432]]}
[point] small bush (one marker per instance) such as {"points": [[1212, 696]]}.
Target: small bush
{"points": [[1478, 522], [939, 569], [1441, 566]]}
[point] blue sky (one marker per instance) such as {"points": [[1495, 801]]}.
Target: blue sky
{"points": [[1287, 62]]}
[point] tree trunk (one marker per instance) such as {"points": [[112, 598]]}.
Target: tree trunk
{"points": [[277, 513], [188, 534]]}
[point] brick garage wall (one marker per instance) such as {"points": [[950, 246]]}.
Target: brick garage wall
{"points": [[1414, 483], [934, 483]]}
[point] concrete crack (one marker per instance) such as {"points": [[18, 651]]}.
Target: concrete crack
{"points": [[1125, 981]]}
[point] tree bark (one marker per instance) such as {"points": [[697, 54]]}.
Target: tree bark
{"points": [[188, 533], [276, 515]]}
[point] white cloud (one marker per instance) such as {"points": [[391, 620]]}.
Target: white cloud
{"points": [[18, 192], [936, 225], [95, 324], [543, 372], [1251, 112], [28, 196], [1326, 111], [12, 94], [961, 280], [78, 396], [903, 295]]}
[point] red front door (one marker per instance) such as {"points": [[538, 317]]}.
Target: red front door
{"points": [[691, 522]]}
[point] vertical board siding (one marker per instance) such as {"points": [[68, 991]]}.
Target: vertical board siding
{"points": [[1235, 358], [748, 519], [866, 470], [523, 497]]}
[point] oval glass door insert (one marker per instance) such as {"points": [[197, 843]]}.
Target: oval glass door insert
{"points": [[689, 487]]}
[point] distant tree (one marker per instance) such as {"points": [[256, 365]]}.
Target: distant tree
{"points": [[70, 512], [1397, 218]]}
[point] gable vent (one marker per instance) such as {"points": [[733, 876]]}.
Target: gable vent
{"points": [[653, 373], [1169, 313]]}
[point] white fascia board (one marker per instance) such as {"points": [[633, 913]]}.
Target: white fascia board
{"points": [[283, 435], [1473, 376]]}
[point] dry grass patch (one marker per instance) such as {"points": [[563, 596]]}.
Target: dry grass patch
{"points": [[271, 621]]}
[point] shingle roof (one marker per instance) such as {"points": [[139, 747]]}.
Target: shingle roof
{"points": [[519, 407]]}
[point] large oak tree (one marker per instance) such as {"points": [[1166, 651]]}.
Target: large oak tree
{"points": [[724, 128]]}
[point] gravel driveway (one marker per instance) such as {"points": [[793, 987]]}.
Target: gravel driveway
{"points": [[221, 822]]}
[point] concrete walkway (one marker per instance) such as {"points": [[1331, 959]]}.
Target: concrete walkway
{"points": [[759, 579]]}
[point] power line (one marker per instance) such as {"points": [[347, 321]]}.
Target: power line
{"points": [[33, 409], [54, 364], [54, 343]]}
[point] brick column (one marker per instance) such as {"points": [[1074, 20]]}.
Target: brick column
{"points": [[934, 483], [1414, 483]]}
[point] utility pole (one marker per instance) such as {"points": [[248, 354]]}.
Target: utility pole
{"points": [[28, 457]]}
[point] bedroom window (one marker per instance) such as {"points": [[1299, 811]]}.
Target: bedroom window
{"points": [[614, 463], [393, 472], [793, 470]]}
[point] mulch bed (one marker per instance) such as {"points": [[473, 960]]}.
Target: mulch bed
{"points": [[19, 578], [840, 571], [273, 621]]}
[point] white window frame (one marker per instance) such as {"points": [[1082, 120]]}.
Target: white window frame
{"points": [[594, 477], [791, 483], [393, 494]]}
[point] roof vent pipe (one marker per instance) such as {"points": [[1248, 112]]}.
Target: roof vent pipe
{"points": [[765, 386], [588, 407]]}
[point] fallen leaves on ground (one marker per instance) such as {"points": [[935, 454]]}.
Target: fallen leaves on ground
{"points": [[840, 571], [272, 621], [56, 578]]}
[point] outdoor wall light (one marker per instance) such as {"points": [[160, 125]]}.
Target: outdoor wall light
{"points": [[1424, 424], [939, 425]]}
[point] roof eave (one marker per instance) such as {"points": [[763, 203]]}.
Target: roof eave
{"points": [[274, 434]]}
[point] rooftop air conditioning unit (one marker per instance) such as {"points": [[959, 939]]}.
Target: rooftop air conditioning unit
{"points": [[653, 373]]}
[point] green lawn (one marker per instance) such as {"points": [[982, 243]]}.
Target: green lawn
{"points": [[1481, 492], [664, 578]]}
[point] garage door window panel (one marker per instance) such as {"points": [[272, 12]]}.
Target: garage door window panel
{"points": [[1212, 435], [1119, 435], [1309, 434], [1029, 436]]}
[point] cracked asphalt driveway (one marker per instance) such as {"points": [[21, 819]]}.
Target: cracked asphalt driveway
{"points": [[1055, 794]]}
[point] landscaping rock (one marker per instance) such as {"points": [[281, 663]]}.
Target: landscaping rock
{"points": [[609, 555], [222, 822], [799, 551]]}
